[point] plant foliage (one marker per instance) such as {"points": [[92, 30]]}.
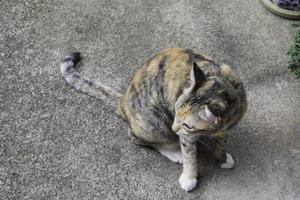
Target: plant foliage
{"points": [[294, 52]]}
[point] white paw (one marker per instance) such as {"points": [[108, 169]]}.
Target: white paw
{"points": [[229, 162], [187, 183], [176, 157], [173, 155]]}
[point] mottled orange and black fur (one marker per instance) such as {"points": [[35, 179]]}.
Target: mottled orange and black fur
{"points": [[172, 100]]}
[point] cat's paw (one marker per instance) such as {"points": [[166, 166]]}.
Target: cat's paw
{"points": [[176, 157], [173, 155], [228, 163], [187, 183]]}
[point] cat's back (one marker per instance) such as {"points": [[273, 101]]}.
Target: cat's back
{"points": [[167, 72], [162, 78]]}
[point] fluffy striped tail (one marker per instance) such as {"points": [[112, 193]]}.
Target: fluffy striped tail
{"points": [[91, 88]]}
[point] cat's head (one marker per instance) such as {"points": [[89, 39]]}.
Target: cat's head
{"points": [[206, 104]]}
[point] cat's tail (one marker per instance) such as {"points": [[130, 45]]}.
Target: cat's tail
{"points": [[91, 88]]}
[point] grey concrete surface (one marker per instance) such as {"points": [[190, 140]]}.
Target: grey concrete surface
{"points": [[58, 144]]}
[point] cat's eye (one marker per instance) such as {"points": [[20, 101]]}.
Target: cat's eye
{"points": [[187, 126]]}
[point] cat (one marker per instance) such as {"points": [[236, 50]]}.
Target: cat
{"points": [[172, 100]]}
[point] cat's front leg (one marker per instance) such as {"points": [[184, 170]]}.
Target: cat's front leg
{"points": [[188, 178], [224, 159]]}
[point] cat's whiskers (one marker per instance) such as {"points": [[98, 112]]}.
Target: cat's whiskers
{"points": [[196, 138], [206, 145]]}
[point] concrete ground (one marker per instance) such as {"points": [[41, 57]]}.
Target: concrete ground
{"points": [[56, 143]]}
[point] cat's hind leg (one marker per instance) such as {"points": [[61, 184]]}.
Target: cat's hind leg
{"points": [[171, 151], [135, 140]]}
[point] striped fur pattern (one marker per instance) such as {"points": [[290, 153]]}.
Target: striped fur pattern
{"points": [[84, 85], [172, 100], [176, 85]]}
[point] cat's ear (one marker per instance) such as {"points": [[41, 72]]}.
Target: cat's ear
{"points": [[196, 78]]}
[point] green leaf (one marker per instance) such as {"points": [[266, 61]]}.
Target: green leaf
{"points": [[294, 52]]}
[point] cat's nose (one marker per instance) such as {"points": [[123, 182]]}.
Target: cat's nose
{"points": [[175, 127]]}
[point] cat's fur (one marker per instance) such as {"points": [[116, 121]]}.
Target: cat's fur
{"points": [[172, 100]]}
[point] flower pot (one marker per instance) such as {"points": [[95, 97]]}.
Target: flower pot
{"points": [[286, 13]]}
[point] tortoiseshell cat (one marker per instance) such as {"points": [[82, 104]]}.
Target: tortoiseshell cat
{"points": [[172, 100]]}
